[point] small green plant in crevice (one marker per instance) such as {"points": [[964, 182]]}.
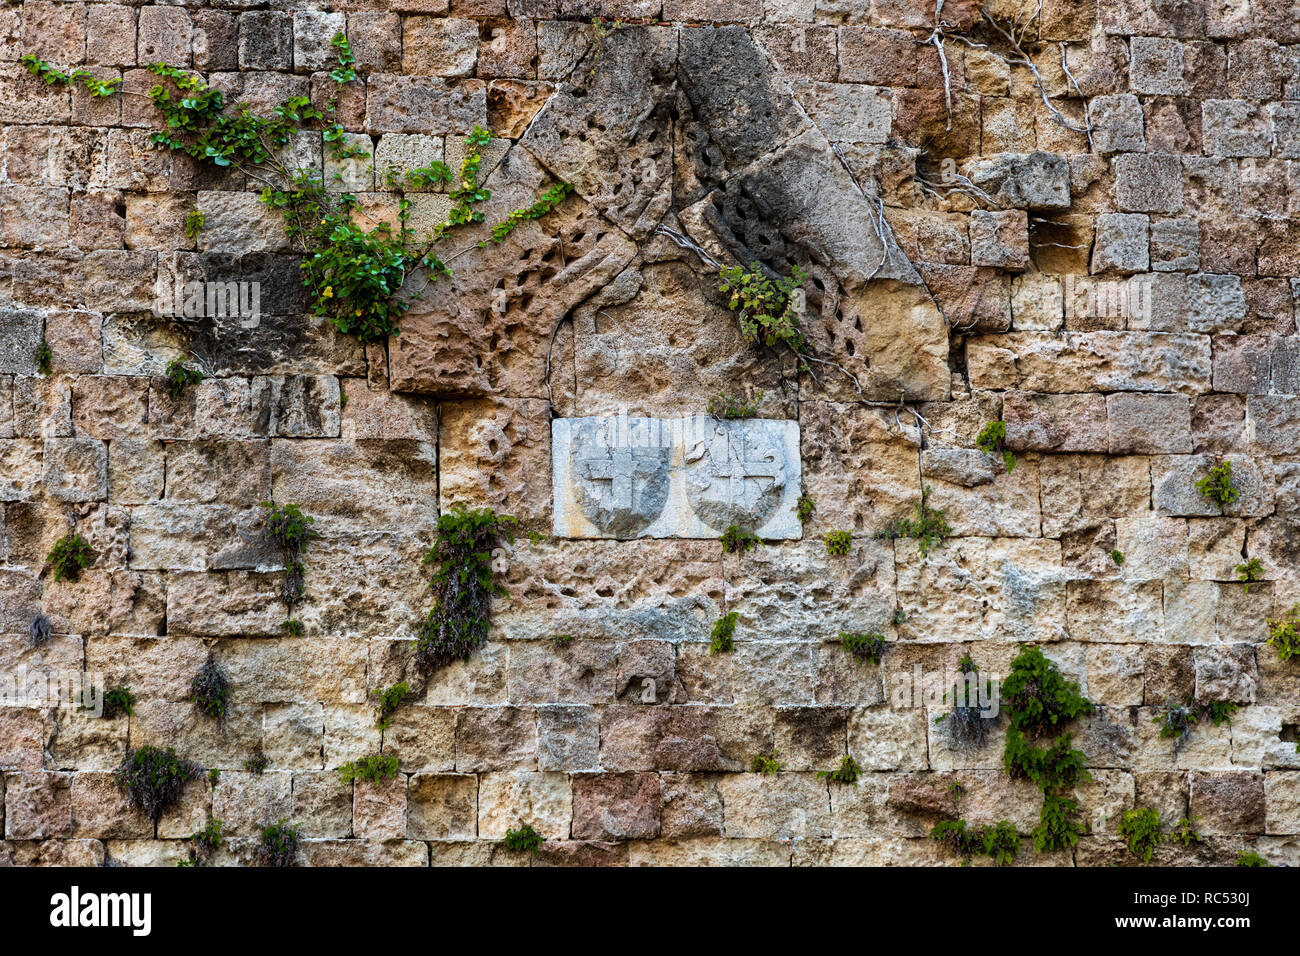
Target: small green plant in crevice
{"points": [[1250, 572], [292, 627], [804, 508], [180, 377], [1217, 486], [900, 617], [204, 844], [210, 689], [524, 840], [1000, 842], [1220, 711], [279, 846], [865, 647], [839, 543], [1117, 556], [214, 778], [736, 541], [769, 309], [1284, 634], [257, 762], [727, 407], [43, 358], [601, 30], [561, 640], [1140, 831], [846, 773], [929, 526], [1039, 702], [1184, 832], [195, 220], [722, 639], [957, 789], [463, 584], [1247, 858], [371, 769], [118, 701], [766, 764], [992, 440], [390, 698], [70, 555], [153, 778], [290, 531]]}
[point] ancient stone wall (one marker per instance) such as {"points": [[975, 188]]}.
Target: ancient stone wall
{"points": [[1077, 218]]}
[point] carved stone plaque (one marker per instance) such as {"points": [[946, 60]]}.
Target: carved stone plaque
{"points": [[622, 477]]}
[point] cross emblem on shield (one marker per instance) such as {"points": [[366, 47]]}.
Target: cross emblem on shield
{"points": [[620, 489], [734, 478]]}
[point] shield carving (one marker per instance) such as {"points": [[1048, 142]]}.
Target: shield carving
{"points": [[620, 487], [735, 475]]}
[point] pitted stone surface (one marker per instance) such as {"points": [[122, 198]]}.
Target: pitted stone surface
{"points": [[622, 477]]}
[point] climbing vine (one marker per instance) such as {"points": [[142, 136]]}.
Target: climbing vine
{"points": [[352, 272]]}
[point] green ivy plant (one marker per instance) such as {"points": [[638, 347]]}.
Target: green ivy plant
{"points": [[54, 76], [462, 583], [352, 273], [1217, 486], [804, 508], [722, 639], [1184, 832], [70, 555], [992, 440], [929, 526]]}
